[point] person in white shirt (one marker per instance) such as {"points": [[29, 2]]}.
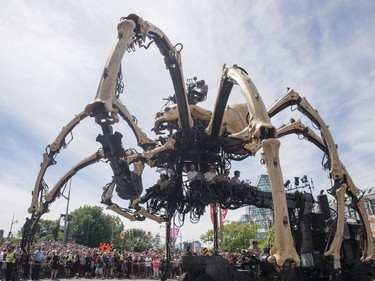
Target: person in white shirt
{"points": [[2, 271], [211, 175], [148, 262], [235, 181], [192, 173]]}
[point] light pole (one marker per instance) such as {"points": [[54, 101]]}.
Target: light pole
{"points": [[67, 215], [111, 233], [87, 233], [11, 226], [180, 242]]}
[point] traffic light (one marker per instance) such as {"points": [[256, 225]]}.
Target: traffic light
{"points": [[122, 235], [149, 234]]}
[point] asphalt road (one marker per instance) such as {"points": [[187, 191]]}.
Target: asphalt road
{"points": [[98, 279]]}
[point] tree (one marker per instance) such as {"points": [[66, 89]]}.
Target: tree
{"points": [[47, 230], [157, 244], [92, 227], [235, 235], [208, 236], [269, 240], [136, 240]]}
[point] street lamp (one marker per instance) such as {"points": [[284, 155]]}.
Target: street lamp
{"points": [[66, 220], [11, 226]]}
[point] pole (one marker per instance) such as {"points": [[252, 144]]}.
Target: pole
{"points": [[167, 250], [168, 240], [66, 216], [11, 226], [215, 226], [221, 230], [112, 234], [181, 242]]}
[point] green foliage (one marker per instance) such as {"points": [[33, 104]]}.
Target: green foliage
{"points": [[269, 240], [136, 240], [157, 243], [47, 230], [238, 236], [235, 236], [208, 236], [48, 237], [92, 227]]}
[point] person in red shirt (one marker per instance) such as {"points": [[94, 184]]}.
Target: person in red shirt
{"points": [[155, 267]]}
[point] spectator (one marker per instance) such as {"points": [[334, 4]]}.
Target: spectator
{"points": [[124, 266], [117, 270], [68, 264], [76, 264], [88, 265], [10, 259], [128, 261], [105, 259], [155, 267], [135, 266], [25, 264], [111, 264], [2, 263], [148, 262], [254, 249], [142, 267], [99, 268], [38, 258], [176, 266], [210, 175], [189, 251], [82, 255], [192, 173], [54, 263]]}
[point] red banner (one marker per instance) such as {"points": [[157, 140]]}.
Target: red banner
{"points": [[173, 233], [223, 213]]}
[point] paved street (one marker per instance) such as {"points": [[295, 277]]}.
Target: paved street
{"points": [[115, 279]]}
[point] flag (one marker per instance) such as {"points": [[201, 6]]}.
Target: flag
{"points": [[223, 213], [173, 233]]}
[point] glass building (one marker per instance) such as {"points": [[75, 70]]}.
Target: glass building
{"points": [[262, 217]]}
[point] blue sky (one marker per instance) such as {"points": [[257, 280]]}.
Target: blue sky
{"points": [[53, 52]]}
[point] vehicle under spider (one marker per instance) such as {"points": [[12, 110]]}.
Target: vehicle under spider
{"points": [[191, 134]]}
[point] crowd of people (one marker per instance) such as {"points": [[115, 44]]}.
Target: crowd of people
{"points": [[52, 260]]}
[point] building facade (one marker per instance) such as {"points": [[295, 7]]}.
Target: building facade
{"points": [[262, 217]]}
